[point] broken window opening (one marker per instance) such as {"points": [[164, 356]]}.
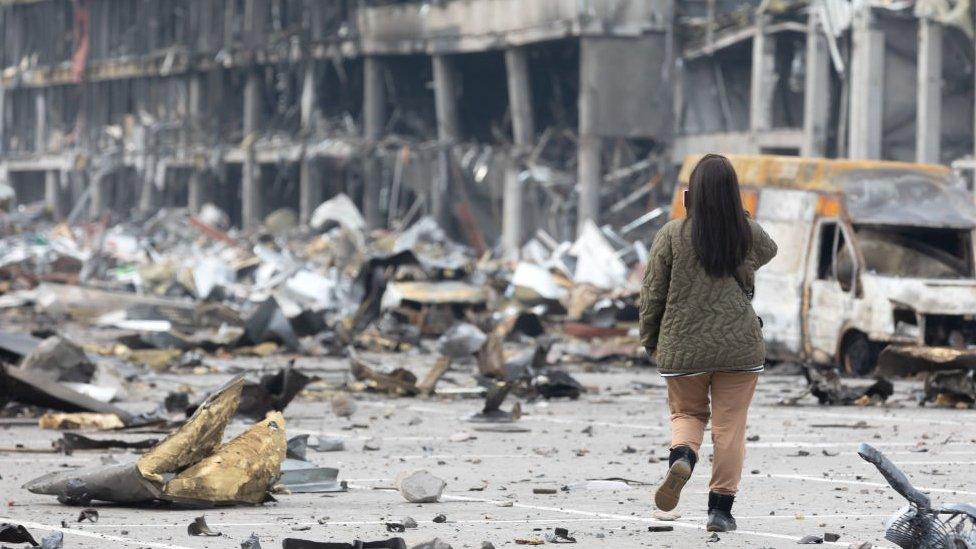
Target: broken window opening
{"points": [[835, 258], [28, 186], [554, 74], [339, 86], [483, 97], [790, 72], [410, 97], [916, 252]]}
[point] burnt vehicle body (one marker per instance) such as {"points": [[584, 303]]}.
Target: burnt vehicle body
{"points": [[871, 254]]}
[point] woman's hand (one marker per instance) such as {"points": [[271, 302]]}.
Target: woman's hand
{"points": [[651, 353]]}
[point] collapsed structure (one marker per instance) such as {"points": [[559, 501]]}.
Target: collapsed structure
{"points": [[496, 117]]}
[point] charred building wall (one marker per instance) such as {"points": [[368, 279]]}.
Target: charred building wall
{"points": [[474, 111], [497, 117]]}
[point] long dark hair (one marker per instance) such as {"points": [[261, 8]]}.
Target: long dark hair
{"points": [[720, 232]]}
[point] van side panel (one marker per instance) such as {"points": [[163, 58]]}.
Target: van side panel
{"points": [[788, 217]]}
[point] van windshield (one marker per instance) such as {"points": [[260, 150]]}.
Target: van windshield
{"points": [[916, 252]]}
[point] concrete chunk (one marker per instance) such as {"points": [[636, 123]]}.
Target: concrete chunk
{"points": [[420, 486]]}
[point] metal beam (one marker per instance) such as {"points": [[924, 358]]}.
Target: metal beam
{"points": [[52, 194]]}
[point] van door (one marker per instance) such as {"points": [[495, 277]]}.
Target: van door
{"points": [[832, 285], [787, 215]]}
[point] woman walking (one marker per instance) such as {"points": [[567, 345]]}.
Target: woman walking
{"points": [[696, 318]]}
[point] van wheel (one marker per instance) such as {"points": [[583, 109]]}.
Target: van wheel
{"points": [[858, 355]]}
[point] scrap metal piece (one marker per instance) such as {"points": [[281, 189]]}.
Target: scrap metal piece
{"points": [[91, 515], [957, 387], [442, 292], [121, 483], [492, 412], [240, 471], [273, 393], [15, 533], [196, 438], [70, 442], [909, 360], [28, 387], [102, 422], [303, 477], [199, 527], [397, 382]]}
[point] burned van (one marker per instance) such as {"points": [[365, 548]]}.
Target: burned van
{"points": [[871, 254]]}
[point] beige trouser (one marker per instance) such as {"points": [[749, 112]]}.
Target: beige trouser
{"points": [[731, 393]]}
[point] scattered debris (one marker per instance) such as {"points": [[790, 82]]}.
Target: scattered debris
{"points": [[91, 515], [199, 528], [69, 442], [251, 542], [559, 535], [827, 387], [15, 533]]}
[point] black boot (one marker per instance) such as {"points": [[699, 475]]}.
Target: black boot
{"points": [[681, 463], [720, 513]]}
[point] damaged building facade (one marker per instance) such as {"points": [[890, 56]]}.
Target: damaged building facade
{"points": [[497, 117]]}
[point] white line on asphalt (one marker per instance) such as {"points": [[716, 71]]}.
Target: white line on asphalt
{"points": [[93, 535], [858, 482], [612, 516], [466, 521], [638, 519]]}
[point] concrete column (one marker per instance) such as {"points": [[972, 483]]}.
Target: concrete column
{"points": [[590, 176], [448, 132], [763, 78], [867, 82], [523, 133], [310, 189], [196, 197], [251, 171], [816, 93], [3, 117], [590, 145], [40, 121], [309, 182], [97, 201], [196, 194], [928, 123], [374, 122], [52, 194], [445, 99]]}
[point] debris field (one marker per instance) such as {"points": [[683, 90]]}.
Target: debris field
{"points": [[171, 382]]}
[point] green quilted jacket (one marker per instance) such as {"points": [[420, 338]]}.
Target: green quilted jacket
{"points": [[696, 322]]}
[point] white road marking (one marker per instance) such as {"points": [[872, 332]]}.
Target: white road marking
{"points": [[858, 483], [93, 535], [615, 517]]}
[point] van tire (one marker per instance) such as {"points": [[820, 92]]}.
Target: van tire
{"points": [[858, 356]]}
